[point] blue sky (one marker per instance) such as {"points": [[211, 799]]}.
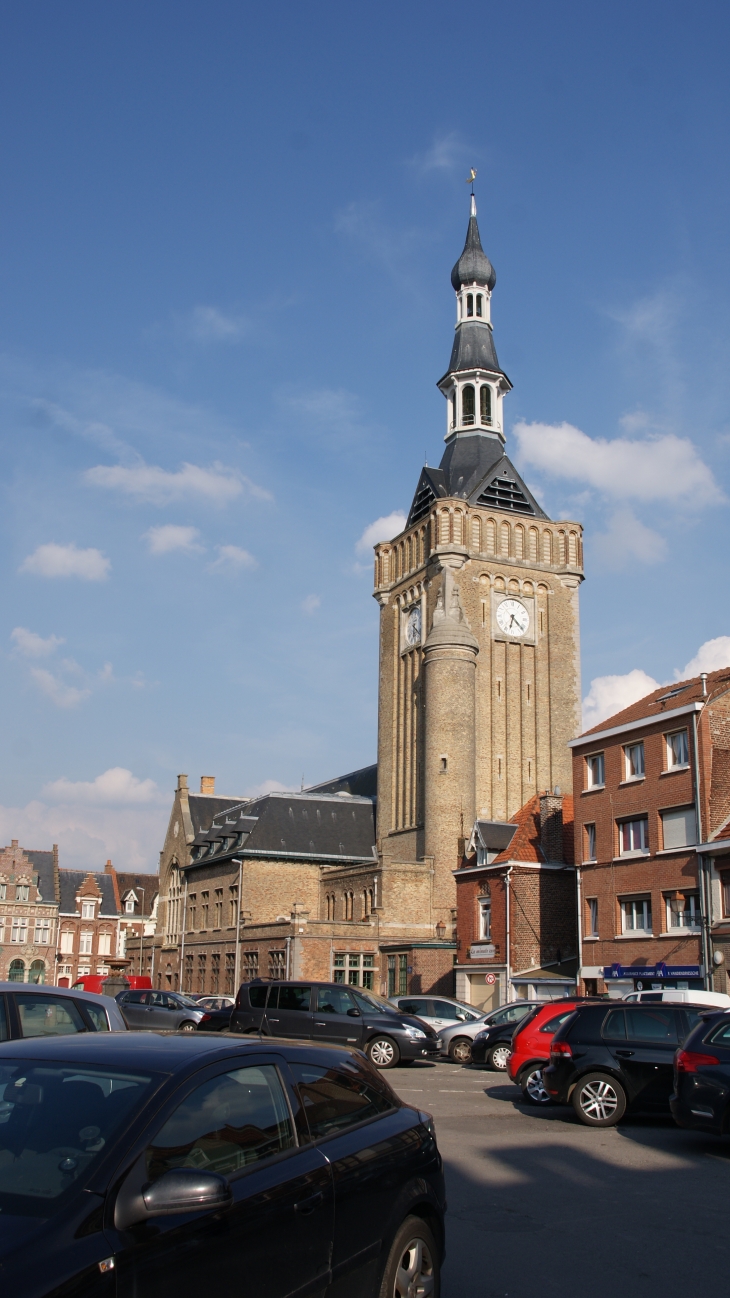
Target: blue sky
{"points": [[225, 243]]}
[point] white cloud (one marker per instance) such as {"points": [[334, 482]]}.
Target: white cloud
{"points": [[232, 558], [209, 324], [217, 485], [446, 153], [610, 694], [383, 529], [57, 690], [67, 561], [659, 467], [710, 657], [88, 835], [266, 786], [169, 537], [31, 645], [310, 604], [627, 540], [115, 787]]}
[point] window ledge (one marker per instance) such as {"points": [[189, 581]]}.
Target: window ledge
{"points": [[672, 770], [669, 851], [632, 856], [593, 860], [591, 937], [637, 935], [681, 932], [595, 788], [633, 779]]}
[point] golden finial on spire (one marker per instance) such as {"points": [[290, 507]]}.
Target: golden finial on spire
{"points": [[471, 178]]}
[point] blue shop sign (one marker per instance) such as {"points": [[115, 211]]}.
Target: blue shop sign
{"points": [[651, 971]]}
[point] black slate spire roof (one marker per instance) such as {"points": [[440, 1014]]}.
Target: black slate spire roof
{"points": [[473, 266]]}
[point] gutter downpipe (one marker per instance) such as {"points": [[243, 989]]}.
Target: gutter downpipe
{"points": [[579, 904], [701, 876], [506, 885], [182, 940], [288, 957], [237, 970]]}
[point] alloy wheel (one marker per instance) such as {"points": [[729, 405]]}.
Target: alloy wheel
{"points": [[599, 1100], [382, 1053], [461, 1051], [500, 1056], [414, 1277], [534, 1087], [187, 1027]]}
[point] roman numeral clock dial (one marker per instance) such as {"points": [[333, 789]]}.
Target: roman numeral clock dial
{"points": [[513, 618]]}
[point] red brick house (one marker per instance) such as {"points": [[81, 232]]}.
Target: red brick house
{"points": [[516, 906], [652, 795]]}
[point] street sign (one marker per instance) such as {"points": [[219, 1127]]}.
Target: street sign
{"points": [[651, 971], [482, 951], [490, 979]]}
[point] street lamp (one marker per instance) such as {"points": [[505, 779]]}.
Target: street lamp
{"points": [[141, 934]]}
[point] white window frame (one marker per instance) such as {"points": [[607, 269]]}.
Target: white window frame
{"points": [[485, 919], [590, 829], [639, 762], [694, 911], [592, 903], [104, 946], [86, 942], [679, 813], [67, 942], [631, 908], [671, 764], [83, 969], [87, 909], [643, 850], [129, 906], [595, 761], [22, 891], [3, 891], [42, 932], [19, 930]]}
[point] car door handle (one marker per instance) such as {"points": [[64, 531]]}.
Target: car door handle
{"points": [[624, 1054], [317, 1024], [307, 1206], [271, 1020]]}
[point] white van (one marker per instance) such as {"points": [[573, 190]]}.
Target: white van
{"points": [[718, 1000]]}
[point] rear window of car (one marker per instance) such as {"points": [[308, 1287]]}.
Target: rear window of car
{"points": [[614, 1027], [136, 998], [553, 1024], [586, 1024], [257, 997], [291, 998], [720, 1036], [334, 1099], [416, 1006], [97, 1014]]}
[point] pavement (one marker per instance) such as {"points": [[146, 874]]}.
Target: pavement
{"points": [[540, 1205]]}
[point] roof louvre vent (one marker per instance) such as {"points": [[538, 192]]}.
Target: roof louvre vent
{"points": [[422, 503], [504, 493]]}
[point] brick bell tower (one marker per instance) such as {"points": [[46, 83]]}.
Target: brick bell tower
{"points": [[479, 687]]}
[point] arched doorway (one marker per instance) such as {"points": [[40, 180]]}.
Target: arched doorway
{"points": [[37, 972], [16, 973]]}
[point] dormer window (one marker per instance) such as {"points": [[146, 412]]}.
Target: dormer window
{"points": [[22, 892], [485, 403], [87, 910], [480, 304], [467, 404], [470, 304], [129, 906]]}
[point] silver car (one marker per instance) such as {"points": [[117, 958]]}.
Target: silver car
{"points": [[158, 1010], [35, 1010], [458, 1037], [438, 1011]]}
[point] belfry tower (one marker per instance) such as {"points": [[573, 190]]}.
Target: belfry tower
{"points": [[479, 628]]}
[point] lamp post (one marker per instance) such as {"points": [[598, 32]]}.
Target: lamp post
{"points": [[141, 934]]}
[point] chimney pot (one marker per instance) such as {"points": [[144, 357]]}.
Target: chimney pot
{"points": [[703, 678], [207, 784]]}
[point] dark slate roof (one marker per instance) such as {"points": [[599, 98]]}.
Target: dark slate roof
{"points": [[475, 468], [474, 349], [330, 828], [204, 806], [71, 881], [42, 863], [362, 783], [473, 266], [495, 835], [136, 882]]}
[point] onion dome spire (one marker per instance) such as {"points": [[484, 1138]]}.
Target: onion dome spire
{"points": [[473, 266]]}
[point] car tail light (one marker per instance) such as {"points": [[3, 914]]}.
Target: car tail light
{"points": [[206, 1017], [560, 1050], [688, 1061]]}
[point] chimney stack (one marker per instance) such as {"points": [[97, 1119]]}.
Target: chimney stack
{"points": [[207, 784], [182, 782], [551, 825], [108, 867]]}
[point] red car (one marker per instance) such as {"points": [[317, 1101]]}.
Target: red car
{"points": [[531, 1048]]}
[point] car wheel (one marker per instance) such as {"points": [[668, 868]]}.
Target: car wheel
{"points": [[383, 1052], [413, 1269], [533, 1087], [186, 1027], [497, 1057], [599, 1101], [460, 1050]]}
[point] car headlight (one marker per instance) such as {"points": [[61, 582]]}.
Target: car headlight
{"points": [[416, 1034], [481, 1036]]}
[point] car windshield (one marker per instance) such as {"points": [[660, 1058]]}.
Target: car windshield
{"points": [[371, 1001], [185, 1001], [56, 1120]]}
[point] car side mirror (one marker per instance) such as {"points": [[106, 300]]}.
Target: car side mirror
{"points": [[185, 1189], [354, 1014]]}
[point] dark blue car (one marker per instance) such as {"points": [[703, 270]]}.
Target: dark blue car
{"points": [[701, 1097], [173, 1166]]}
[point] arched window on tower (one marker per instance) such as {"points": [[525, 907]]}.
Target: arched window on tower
{"points": [[485, 403], [453, 411], [470, 304], [467, 404], [480, 304]]}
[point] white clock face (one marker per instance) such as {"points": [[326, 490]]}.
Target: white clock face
{"points": [[413, 626], [513, 617]]}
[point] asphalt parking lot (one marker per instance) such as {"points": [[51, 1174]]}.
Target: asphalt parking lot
{"points": [[540, 1205]]}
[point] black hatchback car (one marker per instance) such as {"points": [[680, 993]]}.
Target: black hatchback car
{"points": [[179, 1165], [493, 1047], [701, 1097], [611, 1057], [332, 1014]]}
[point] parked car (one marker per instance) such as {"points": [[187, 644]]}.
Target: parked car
{"points": [[701, 1096], [34, 1010], [214, 1002], [95, 982], [215, 1020], [609, 1057], [164, 1011], [681, 996], [459, 1037], [531, 1048], [337, 1015], [492, 1045], [439, 1011], [165, 1163]]}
